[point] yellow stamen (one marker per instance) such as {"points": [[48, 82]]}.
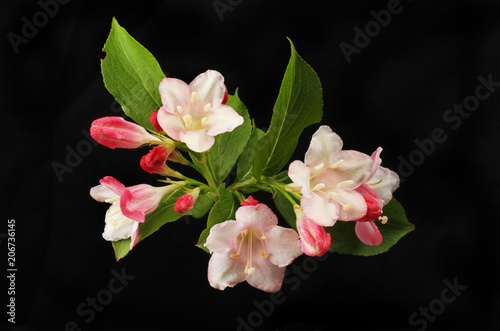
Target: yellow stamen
{"points": [[207, 107], [384, 219], [180, 110], [344, 183], [193, 97]]}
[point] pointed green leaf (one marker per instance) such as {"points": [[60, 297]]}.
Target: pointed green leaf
{"points": [[345, 241], [299, 104], [132, 75], [244, 169], [228, 146]]}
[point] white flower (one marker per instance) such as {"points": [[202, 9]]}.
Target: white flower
{"points": [[195, 113]]}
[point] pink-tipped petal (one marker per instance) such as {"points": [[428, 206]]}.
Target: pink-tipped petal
{"points": [[174, 92], [300, 174], [368, 233], [135, 235]]}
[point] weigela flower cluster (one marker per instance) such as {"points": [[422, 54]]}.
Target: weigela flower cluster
{"points": [[328, 186]]}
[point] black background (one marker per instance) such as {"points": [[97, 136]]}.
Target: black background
{"points": [[394, 91]]}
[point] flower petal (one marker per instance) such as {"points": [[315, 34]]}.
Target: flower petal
{"points": [[353, 205], [300, 174], [324, 212], [172, 124], [101, 193], [209, 87], [224, 271], [122, 227], [325, 145], [283, 245], [135, 235], [368, 233], [222, 236], [267, 276], [174, 92], [352, 172], [387, 182], [222, 119], [259, 216], [140, 200], [197, 140], [113, 184]]}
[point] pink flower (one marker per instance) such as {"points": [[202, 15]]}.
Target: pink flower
{"points": [[377, 191], [115, 132], [328, 179], [314, 239], [195, 113], [252, 248], [139, 200], [118, 226], [186, 202]]}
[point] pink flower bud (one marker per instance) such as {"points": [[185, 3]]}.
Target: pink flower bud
{"points": [[115, 132], [154, 120], [154, 161], [186, 202], [250, 202], [226, 96], [314, 239]]}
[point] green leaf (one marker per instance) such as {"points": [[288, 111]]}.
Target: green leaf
{"points": [[223, 210], [244, 169], [299, 104], [202, 204], [163, 214], [345, 241], [285, 208], [228, 146], [132, 75]]}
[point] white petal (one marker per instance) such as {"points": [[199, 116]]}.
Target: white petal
{"points": [[225, 271], [321, 211], [259, 216], [174, 92], [325, 145], [102, 193], [353, 205], [283, 245], [389, 183], [197, 140], [222, 119], [222, 236], [171, 124], [209, 87], [267, 276], [300, 174], [123, 229]]}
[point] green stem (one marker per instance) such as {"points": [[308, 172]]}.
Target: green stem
{"points": [[207, 173]]}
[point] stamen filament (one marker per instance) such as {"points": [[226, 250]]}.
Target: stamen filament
{"points": [[111, 200]]}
